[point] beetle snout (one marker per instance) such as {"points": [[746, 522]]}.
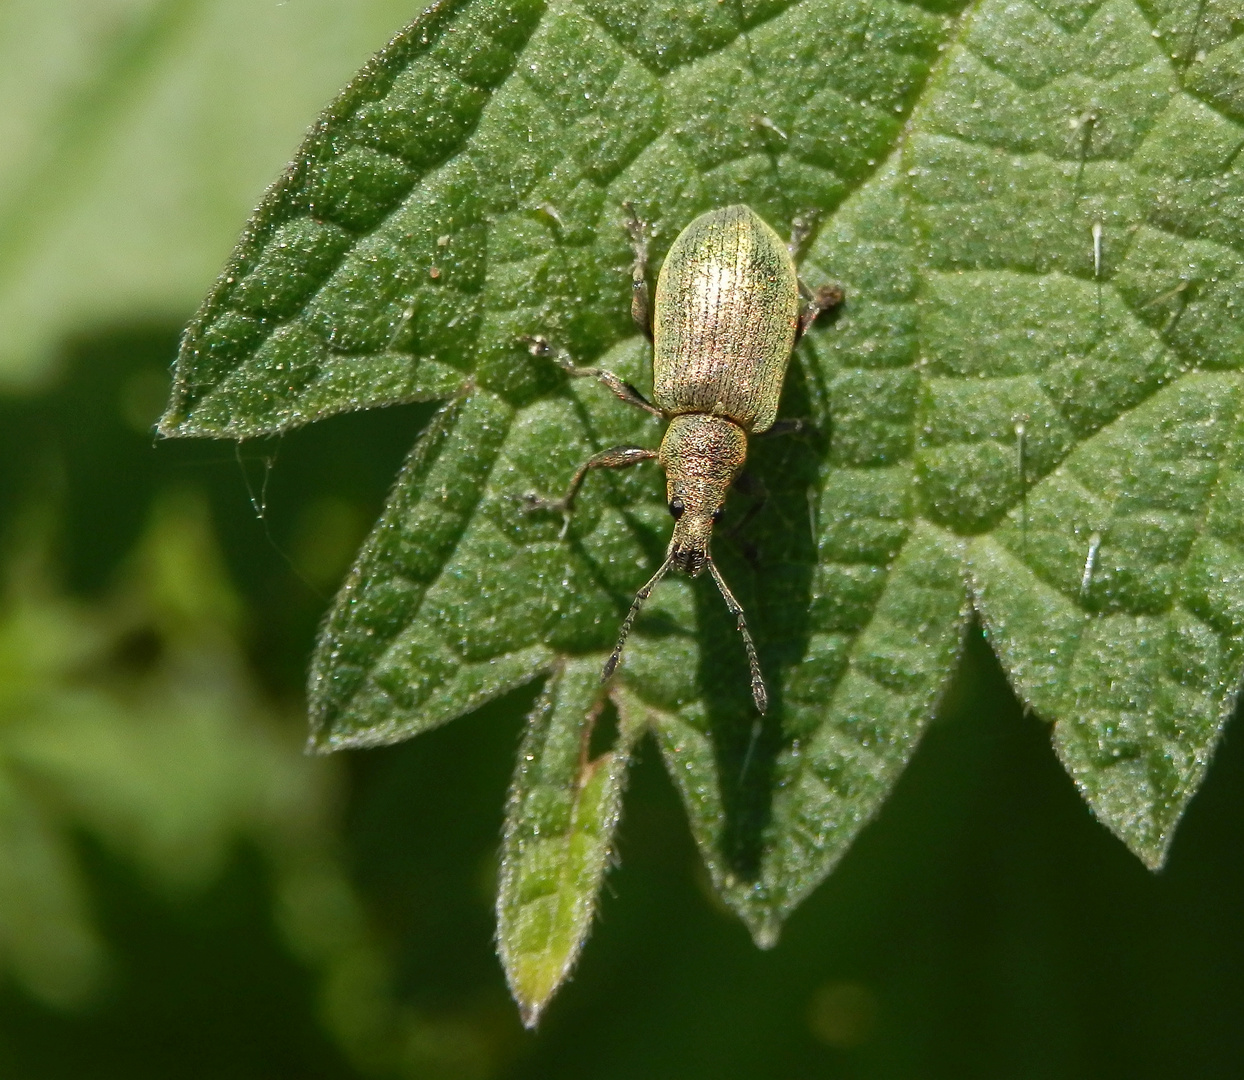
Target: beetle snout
{"points": [[690, 560], [689, 545]]}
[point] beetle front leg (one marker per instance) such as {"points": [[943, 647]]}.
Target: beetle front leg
{"points": [[616, 457], [641, 304], [539, 345]]}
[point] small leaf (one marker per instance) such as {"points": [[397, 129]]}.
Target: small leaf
{"points": [[563, 808]]}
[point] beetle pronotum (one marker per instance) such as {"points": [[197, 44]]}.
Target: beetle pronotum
{"points": [[727, 312]]}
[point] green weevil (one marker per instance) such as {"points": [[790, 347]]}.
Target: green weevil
{"points": [[728, 310]]}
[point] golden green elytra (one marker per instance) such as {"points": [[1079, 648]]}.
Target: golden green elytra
{"points": [[728, 310]]}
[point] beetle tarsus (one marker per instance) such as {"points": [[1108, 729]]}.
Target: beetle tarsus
{"points": [[531, 503], [537, 344], [816, 303], [801, 227]]}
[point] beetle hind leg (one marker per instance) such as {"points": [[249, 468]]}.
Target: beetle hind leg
{"points": [[801, 227], [786, 425], [813, 302]]}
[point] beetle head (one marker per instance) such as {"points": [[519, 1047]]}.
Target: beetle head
{"points": [[701, 455]]}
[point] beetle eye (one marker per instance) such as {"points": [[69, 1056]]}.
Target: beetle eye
{"points": [[676, 507], [719, 513]]}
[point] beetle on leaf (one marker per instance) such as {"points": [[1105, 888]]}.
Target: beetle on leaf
{"points": [[728, 310]]}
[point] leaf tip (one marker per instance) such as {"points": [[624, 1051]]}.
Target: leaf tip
{"points": [[533, 982], [319, 742], [169, 425], [1148, 837], [529, 1012], [765, 934], [1153, 855], [1151, 846]]}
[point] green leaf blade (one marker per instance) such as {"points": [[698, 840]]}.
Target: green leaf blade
{"points": [[1074, 423], [458, 195], [563, 809], [1133, 671], [459, 595], [375, 666], [294, 329]]}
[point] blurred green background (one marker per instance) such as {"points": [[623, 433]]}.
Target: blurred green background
{"points": [[184, 894]]}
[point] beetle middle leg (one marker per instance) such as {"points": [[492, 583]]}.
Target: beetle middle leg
{"points": [[538, 345], [616, 457]]}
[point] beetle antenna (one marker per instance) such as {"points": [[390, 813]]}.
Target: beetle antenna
{"points": [[759, 694], [640, 598]]}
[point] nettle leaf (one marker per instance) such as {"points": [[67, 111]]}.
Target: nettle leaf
{"points": [[1029, 405], [564, 804]]}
